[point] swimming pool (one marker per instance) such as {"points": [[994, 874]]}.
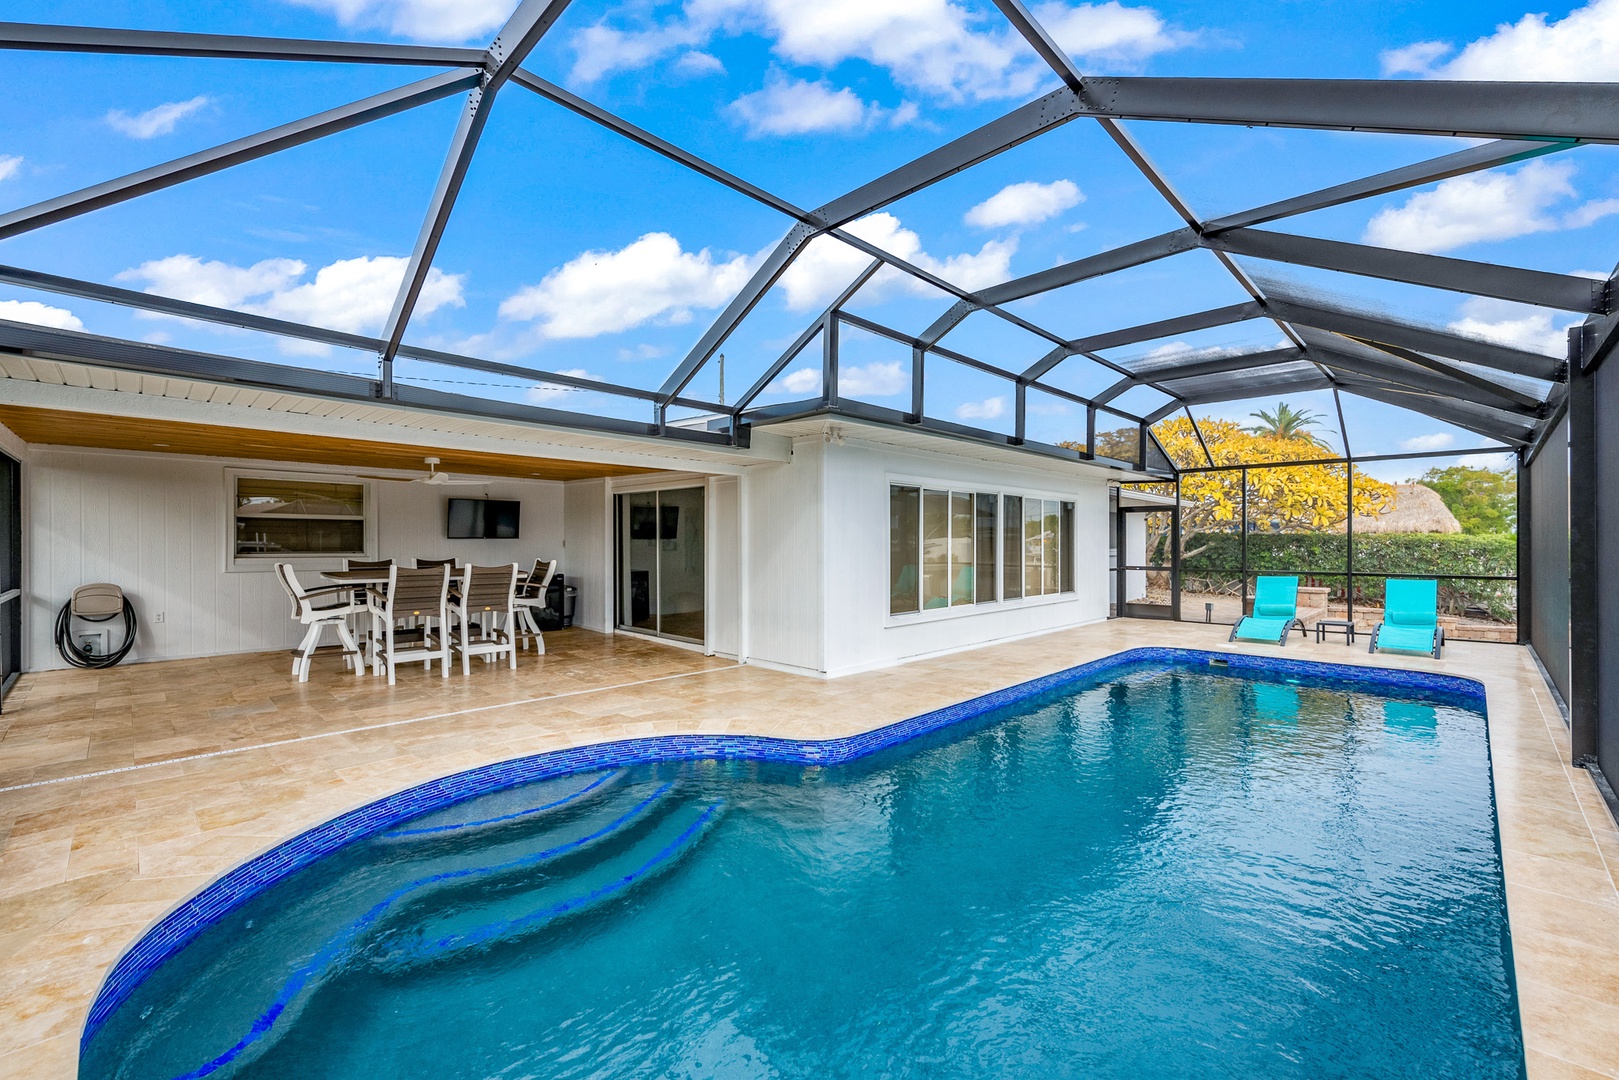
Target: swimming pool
{"points": [[1150, 866]]}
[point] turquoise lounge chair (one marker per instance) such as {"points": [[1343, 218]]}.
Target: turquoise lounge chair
{"points": [[1276, 608], [1410, 618]]}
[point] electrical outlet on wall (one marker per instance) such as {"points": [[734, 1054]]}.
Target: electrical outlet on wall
{"points": [[157, 617]]}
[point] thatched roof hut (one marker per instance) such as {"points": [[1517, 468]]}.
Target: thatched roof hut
{"points": [[1417, 508]]}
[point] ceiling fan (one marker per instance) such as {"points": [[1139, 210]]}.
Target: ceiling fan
{"points": [[434, 478]]}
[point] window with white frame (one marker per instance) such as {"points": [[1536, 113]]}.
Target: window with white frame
{"points": [[952, 548], [279, 517]]}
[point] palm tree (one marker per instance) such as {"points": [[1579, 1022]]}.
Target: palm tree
{"points": [[1287, 423]]}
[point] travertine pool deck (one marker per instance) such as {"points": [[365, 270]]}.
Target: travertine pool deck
{"points": [[123, 792]]}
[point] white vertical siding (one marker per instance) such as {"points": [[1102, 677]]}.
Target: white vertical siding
{"points": [[724, 561], [586, 516], [156, 525], [786, 543]]}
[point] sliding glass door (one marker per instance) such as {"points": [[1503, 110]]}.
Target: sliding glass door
{"points": [[10, 572], [661, 553]]}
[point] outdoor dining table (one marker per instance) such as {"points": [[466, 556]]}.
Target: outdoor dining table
{"points": [[380, 577]]}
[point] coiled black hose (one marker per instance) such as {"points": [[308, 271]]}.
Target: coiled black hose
{"points": [[78, 657]]}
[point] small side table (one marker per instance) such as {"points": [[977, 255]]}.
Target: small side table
{"points": [[1323, 627]]}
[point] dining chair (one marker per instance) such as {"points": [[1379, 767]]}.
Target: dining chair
{"points": [[419, 595], [428, 564], [487, 594], [317, 609], [530, 600]]}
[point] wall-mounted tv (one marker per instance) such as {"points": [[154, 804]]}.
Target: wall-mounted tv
{"points": [[482, 519]]}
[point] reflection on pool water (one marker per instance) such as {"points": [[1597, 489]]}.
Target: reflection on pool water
{"points": [[1176, 872]]}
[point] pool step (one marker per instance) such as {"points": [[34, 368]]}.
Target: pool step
{"points": [[512, 915], [546, 798], [362, 935]]}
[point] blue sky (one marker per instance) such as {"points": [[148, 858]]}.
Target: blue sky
{"points": [[572, 250]]}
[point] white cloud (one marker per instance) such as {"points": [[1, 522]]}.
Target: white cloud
{"points": [[352, 295], [32, 311], [424, 20], [803, 381], [1415, 59], [1517, 325], [1485, 206], [604, 292], [827, 265], [699, 64], [600, 50], [934, 46], [798, 107], [880, 378], [1439, 440], [550, 392], [9, 164], [1591, 213], [988, 409], [158, 120], [643, 351], [1028, 203], [1110, 35], [1582, 46]]}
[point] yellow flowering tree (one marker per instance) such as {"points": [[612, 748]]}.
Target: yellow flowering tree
{"points": [[1299, 498], [1282, 498]]}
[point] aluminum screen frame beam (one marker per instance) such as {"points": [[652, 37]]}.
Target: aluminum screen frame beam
{"points": [[601, 117], [1043, 44], [38, 37], [1559, 291], [1299, 383], [249, 148], [1489, 387], [1538, 111], [517, 38], [1473, 159], [996, 137], [48, 343], [766, 276], [185, 309], [1505, 430], [1359, 324], [1399, 375], [1217, 365], [1180, 324]]}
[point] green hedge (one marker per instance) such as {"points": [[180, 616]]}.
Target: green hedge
{"points": [[1216, 564]]}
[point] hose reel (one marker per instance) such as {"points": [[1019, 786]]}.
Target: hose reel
{"points": [[95, 603]]}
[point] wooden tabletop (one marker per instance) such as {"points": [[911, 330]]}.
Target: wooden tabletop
{"points": [[380, 577]]}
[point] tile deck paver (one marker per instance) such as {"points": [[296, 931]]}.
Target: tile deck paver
{"points": [[203, 763]]}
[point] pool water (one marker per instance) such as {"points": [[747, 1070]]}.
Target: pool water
{"points": [[1177, 872]]}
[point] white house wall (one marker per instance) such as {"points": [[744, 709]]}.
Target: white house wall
{"points": [[724, 567], [859, 632], [156, 524], [786, 548], [587, 552]]}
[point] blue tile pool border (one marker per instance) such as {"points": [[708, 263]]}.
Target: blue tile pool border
{"points": [[214, 901]]}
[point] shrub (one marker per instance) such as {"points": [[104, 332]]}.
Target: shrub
{"points": [[1213, 563]]}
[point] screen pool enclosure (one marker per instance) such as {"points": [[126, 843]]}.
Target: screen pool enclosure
{"points": [[1555, 413]]}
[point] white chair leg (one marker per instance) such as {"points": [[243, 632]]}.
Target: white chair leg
{"points": [[311, 640], [348, 642]]}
